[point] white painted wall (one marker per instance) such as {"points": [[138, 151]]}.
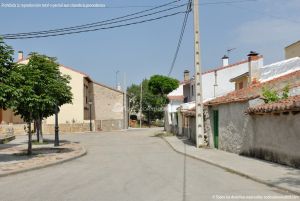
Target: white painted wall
{"points": [[223, 77]]}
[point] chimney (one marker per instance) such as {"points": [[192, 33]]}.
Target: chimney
{"points": [[254, 65], [225, 60], [20, 56], [186, 75]]}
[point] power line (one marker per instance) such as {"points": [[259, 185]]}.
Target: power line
{"points": [[90, 24], [101, 28], [112, 21], [180, 37], [203, 3]]}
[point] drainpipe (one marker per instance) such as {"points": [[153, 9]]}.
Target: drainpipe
{"points": [[216, 83]]}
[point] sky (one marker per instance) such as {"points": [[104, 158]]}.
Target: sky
{"points": [[139, 51]]}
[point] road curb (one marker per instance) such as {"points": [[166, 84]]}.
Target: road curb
{"points": [[81, 154], [232, 170]]}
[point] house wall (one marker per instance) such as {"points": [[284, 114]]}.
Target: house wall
{"points": [[9, 117], [108, 106], [292, 50], [233, 124], [72, 113], [223, 77], [187, 127], [270, 137]]}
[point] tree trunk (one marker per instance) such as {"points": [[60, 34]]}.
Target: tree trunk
{"points": [[36, 123], [41, 139], [29, 150]]}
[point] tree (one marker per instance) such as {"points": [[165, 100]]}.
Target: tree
{"points": [[162, 85], [154, 96], [6, 67], [40, 88], [53, 88]]}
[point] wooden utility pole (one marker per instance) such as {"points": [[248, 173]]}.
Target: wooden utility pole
{"points": [[198, 78]]}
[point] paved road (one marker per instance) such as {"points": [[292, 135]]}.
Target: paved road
{"points": [[128, 166]]}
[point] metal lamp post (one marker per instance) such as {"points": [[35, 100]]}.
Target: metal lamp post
{"points": [[90, 104], [56, 140]]}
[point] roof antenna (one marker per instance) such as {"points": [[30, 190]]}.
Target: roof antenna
{"points": [[230, 50]]}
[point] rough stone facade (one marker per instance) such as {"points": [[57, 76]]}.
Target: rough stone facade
{"points": [[108, 107], [67, 128], [270, 137], [274, 138]]}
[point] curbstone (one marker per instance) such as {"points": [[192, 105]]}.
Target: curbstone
{"points": [[81, 154], [232, 170]]}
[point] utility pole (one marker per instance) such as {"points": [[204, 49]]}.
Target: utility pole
{"points": [[198, 78], [117, 80], [141, 97], [125, 103]]}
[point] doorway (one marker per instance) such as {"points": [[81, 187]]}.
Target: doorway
{"points": [[216, 128]]}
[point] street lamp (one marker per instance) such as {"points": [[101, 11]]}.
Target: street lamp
{"points": [[56, 139], [90, 104]]}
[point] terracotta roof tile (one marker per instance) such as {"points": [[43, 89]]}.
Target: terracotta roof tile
{"points": [[290, 104], [175, 97], [221, 68], [255, 89]]}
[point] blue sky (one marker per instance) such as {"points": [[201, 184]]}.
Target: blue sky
{"points": [[265, 26]]}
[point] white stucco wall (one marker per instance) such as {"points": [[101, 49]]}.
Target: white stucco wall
{"points": [[223, 77]]}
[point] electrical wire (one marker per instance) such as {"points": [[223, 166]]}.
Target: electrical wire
{"points": [[112, 21], [92, 24], [189, 8], [97, 29]]}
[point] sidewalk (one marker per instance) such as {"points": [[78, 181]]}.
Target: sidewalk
{"points": [[13, 157], [271, 174]]}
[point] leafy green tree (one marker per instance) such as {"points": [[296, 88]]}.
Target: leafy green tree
{"points": [[154, 96], [6, 67], [40, 88], [162, 85], [52, 87]]}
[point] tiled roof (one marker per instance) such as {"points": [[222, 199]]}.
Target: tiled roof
{"points": [[175, 97], [84, 74], [224, 67], [176, 94], [290, 104], [255, 89]]}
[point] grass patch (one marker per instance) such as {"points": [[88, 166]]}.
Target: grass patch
{"points": [[35, 142]]}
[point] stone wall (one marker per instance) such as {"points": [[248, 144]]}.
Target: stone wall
{"points": [[274, 138], [6, 130], [270, 137], [108, 103], [67, 128], [111, 125], [233, 125]]}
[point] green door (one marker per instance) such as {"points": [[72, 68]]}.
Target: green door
{"points": [[216, 128]]}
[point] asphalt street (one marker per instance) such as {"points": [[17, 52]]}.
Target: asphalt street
{"points": [[129, 166]]}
